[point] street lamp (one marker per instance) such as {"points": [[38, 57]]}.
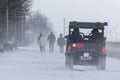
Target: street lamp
{"points": [[7, 21], [64, 27]]}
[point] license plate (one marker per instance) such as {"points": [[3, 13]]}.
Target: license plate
{"points": [[86, 55]]}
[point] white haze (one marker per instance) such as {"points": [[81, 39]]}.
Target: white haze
{"points": [[29, 64], [81, 10]]}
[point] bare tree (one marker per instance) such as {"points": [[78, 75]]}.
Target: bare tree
{"points": [[39, 23]]}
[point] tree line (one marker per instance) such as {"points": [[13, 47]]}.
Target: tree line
{"points": [[16, 21], [37, 23], [17, 10]]}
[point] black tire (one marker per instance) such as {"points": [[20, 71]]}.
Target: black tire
{"points": [[70, 62], [66, 61], [101, 63]]}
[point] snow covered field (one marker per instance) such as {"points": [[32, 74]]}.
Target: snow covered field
{"points": [[29, 64]]}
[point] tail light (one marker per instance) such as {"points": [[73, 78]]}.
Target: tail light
{"points": [[103, 49], [78, 45], [69, 47]]}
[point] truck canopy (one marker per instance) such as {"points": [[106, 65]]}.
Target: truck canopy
{"points": [[87, 25]]}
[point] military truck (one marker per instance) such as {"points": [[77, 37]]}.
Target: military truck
{"points": [[86, 45]]}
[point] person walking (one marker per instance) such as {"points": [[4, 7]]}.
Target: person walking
{"points": [[42, 40], [51, 38], [61, 43]]}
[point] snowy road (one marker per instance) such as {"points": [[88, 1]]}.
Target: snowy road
{"points": [[29, 64]]}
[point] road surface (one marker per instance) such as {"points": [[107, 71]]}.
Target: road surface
{"points": [[113, 50], [29, 64]]}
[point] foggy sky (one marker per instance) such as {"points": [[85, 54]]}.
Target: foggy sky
{"points": [[80, 10]]}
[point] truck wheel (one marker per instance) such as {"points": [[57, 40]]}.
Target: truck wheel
{"points": [[71, 62], [66, 60], [101, 63]]}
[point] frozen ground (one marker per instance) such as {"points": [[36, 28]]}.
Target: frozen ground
{"points": [[29, 64]]}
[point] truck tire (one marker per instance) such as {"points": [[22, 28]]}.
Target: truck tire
{"points": [[101, 63], [71, 62], [66, 60]]}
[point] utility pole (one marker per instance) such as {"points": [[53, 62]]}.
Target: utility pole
{"points": [[116, 32], [7, 21], [64, 27], [15, 37], [22, 28]]}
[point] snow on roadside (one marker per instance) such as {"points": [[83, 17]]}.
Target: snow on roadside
{"points": [[29, 64]]}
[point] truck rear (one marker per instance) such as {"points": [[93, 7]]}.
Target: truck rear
{"points": [[86, 51]]}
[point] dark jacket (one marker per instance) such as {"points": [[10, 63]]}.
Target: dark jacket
{"points": [[61, 42], [51, 38]]}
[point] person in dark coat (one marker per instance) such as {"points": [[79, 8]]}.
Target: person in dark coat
{"points": [[51, 38], [96, 36], [76, 36], [61, 43]]}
